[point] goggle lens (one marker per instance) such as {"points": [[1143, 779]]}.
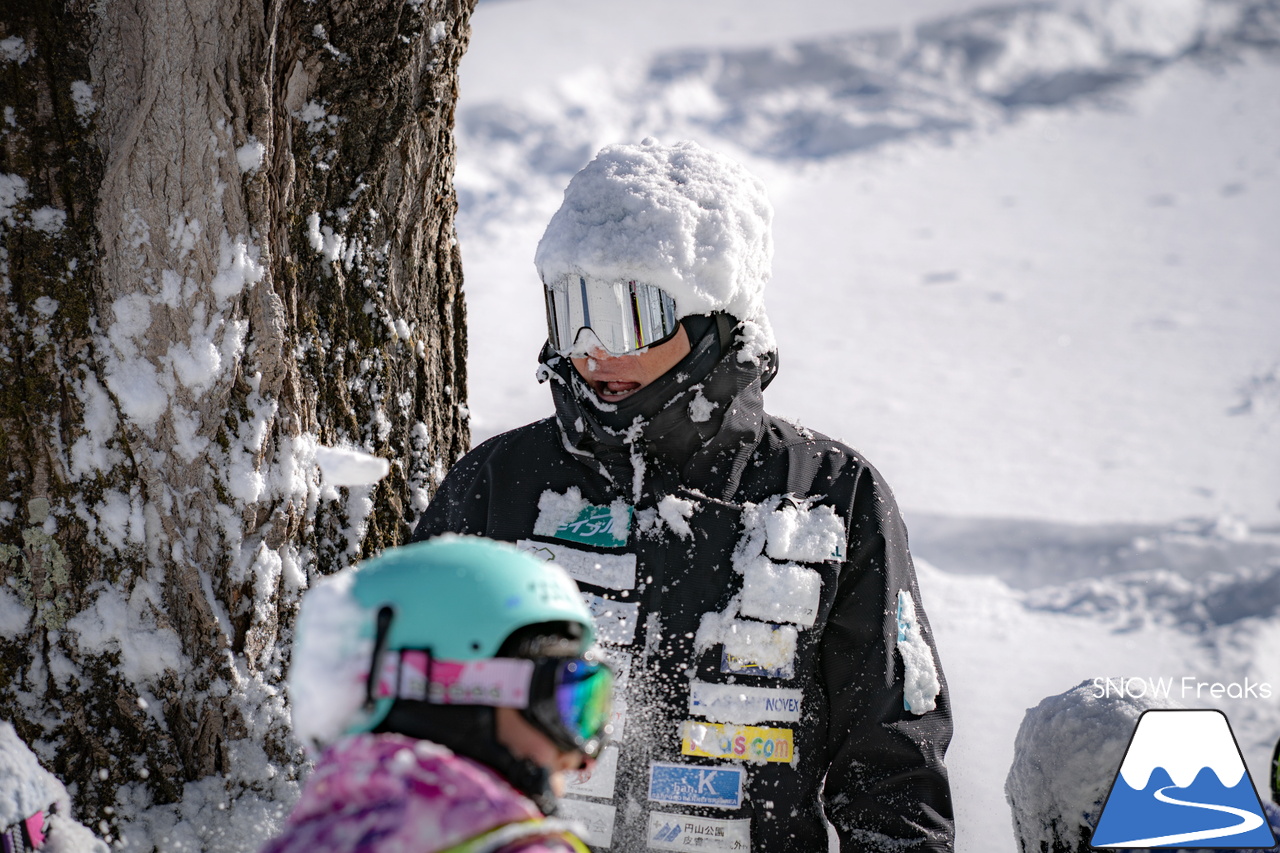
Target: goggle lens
{"points": [[583, 693], [624, 316]]}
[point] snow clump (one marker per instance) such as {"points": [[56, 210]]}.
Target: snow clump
{"points": [[676, 512], [14, 49], [82, 99], [249, 156], [920, 677], [680, 217], [345, 466], [26, 789], [329, 661], [556, 510], [1066, 754]]}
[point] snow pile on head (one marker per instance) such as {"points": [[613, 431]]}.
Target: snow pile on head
{"points": [[330, 661], [1066, 754], [680, 217]]}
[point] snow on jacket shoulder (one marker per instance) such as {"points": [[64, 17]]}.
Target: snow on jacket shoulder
{"points": [[387, 792], [751, 583]]}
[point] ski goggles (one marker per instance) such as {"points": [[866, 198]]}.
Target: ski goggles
{"points": [[570, 700], [624, 316]]}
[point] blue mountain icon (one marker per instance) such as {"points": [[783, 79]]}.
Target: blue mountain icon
{"points": [[1182, 783]]}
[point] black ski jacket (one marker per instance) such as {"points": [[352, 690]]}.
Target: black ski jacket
{"points": [[691, 530]]}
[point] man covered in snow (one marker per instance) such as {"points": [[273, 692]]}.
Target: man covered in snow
{"points": [[750, 579]]}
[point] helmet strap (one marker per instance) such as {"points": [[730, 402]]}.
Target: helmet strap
{"points": [[382, 632]]}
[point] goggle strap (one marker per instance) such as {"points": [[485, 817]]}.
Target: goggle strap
{"points": [[415, 675]]}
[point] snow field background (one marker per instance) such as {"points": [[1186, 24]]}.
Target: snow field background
{"points": [[1024, 261]]}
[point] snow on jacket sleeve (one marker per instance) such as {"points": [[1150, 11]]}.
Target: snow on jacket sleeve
{"points": [[886, 782]]}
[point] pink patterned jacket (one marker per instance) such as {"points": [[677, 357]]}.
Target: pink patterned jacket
{"points": [[388, 792]]}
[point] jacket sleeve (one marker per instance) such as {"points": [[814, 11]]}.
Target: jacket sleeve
{"points": [[886, 783]]}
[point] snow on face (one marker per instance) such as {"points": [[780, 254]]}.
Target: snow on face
{"points": [[688, 220]]}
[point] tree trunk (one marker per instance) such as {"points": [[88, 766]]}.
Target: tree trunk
{"points": [[226, 238]]}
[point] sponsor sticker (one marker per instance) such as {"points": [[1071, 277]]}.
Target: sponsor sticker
{"points": [[602, 526], [687, 832], [735, 703], [744, 743], [750, 666], [612, 571], [696, 785], [780, 592], [595, 820], [618, 719], [615, 620], [621, 663], [600, 780], [809, 534]]}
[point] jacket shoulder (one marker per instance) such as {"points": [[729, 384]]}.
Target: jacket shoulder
{"points": [[800, 440], [819, 464]]}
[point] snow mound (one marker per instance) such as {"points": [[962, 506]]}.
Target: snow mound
{"points": [[1133, 600], [1066, 754], [817, 99], [681, 217]]}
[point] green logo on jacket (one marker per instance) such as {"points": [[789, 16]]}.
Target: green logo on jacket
{"points": [[598, 525]]}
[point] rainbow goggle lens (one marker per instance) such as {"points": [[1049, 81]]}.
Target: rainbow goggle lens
{"points": [[623, 316], [568, 699]]}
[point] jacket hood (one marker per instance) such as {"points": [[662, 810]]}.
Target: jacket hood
{"points": [[710, 404]]}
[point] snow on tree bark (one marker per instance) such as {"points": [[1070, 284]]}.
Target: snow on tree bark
{"points": [[226, 238]]}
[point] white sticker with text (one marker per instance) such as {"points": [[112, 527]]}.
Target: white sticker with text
{"points": [[596, 819], [599, 781], [615, 620], [612, 571], [688, 832], [735, 703]]}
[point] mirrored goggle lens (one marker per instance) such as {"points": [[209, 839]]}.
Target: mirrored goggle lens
{"points": [[623, 315], [584, 699]]}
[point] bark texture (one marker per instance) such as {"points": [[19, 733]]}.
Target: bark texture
{"points": [[226, 239]]}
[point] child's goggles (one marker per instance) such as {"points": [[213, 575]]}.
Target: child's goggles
{"points": [[570, 700], [624, 316]]}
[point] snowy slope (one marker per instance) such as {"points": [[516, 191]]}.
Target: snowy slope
{"points": [[1025, 262], [1028, 239]]}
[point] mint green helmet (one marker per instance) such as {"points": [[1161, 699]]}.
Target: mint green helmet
{"points": [[458, 596]]}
